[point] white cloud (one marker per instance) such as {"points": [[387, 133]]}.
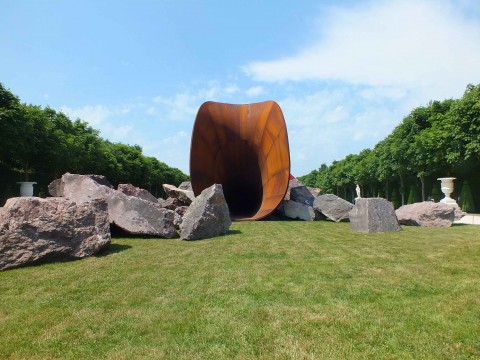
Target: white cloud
{"points": [[430, 46], [180, 107], [254, 91], [95, 115], [109, 121], [327, 125]]}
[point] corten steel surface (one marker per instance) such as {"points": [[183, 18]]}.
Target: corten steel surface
{"points": [[244, 148]]}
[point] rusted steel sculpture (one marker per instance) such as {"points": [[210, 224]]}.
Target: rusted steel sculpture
{"points": [[244, 148]]}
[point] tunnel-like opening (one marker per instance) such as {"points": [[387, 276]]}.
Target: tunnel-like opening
{"points": [[241, 179]]}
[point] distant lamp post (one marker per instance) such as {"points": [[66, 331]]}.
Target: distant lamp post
{"points": [[446, 185], [26, 188]]}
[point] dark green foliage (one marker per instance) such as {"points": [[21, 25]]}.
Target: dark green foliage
{"points": [[42, 144], [395, 199], [441, 139], [436, 192], [413, 195], [466, 199]]}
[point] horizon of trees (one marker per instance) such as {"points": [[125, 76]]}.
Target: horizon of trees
{"points": [[41, 144], [438, 140]]}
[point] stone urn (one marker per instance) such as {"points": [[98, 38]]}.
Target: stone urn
{"points": [[26, 188], [446, 185]]}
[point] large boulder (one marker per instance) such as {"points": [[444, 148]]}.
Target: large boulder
{"points": [[373, 215], [296, 210], [208, 215], [428, 214], [185, 196], [33, 229], [130, 190], [131, 214], [333, 207]]}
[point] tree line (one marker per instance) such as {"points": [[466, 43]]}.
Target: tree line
{"points": [[438, 140], [41, 144]]}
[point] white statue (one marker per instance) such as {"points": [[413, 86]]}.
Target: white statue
{"points": [[359, 192]]}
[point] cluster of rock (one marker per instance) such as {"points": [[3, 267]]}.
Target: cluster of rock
{"points": [[304, 203], [367, 215], [77, 220]]}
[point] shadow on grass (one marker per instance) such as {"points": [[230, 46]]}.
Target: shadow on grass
{"points": [[233, 232], [113, 249], [119, 233]]}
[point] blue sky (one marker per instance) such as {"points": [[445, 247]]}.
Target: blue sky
{"points": [[345, 73]]}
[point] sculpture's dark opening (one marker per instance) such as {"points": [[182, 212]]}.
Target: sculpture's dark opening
{"points": [[241, 181]]}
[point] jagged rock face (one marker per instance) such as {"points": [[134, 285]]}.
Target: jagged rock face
{"points": [[333, 207], [178, 218], [185, 196], [373, 215], [208, 215], [428, 214], [129, 213], [34, 229], [171, 203], [130, 190]]}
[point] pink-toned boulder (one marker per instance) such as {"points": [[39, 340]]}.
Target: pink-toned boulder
{"points": [[428, 214], [131, 214], [33, 229], [130, 190]]}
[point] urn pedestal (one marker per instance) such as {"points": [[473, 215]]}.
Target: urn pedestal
{"points": [[446, 185], [26, 188]]}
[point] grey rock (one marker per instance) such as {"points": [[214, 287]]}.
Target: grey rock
{"points": [[373, 215], [179, 212], [129, 213], [171, 203], [459, 213], [302, 195], [333, 207], [186, 185], [55, 188], [428, 214], [185, 196], [208, 215], [292, 183], [33, 229], [296, 210], [130, 190], [314, 191]]}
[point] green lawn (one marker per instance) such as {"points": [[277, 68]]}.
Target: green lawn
{"points": [[267, 290]]}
